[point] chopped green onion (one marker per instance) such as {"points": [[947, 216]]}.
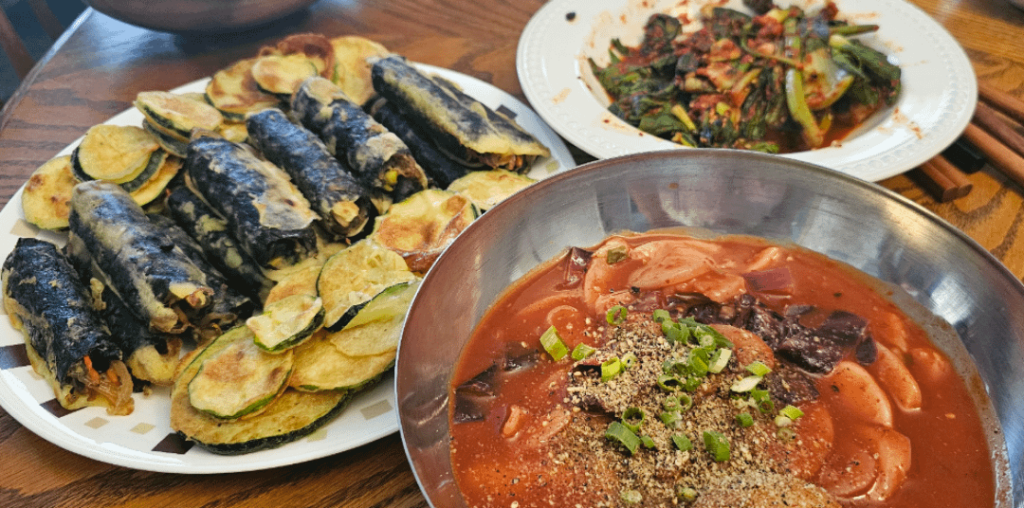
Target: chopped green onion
{"points": [[582, 351], [699, 362], [647, 441], [671, 419], [686, 494], [717, 445], [611, 368], [786, 434], [783, 421], [758, 369], [631, 496], [720, 340], [616, 315], [746, 384], [674, 332], [685, 402], [553, 344], [744, 419], [762, 400], [704, 339], [632, 418], [616, 254], [629, 360], [692, 383], [689, 322], [621, 434], [791, 412], [660, 316], [669, 383], [719, 360], [682, 442], [671, 403]]}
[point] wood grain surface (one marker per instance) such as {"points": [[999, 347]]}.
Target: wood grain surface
{"points": [[100, 64]]}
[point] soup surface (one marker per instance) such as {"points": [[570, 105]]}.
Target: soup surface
{"points": [[663, 370]]}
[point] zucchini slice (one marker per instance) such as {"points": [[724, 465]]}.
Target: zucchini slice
{"points": [[488, 188], [176, 115], [154, 187], [377, 327], [234, 131], [234, 93], [281, 75], [287, 323], [169, 143], [354, 276], [420, 227], [351, 72], [235, 379], [301, 282], [46, 200], [291, 417], [321, 366], [117, 153], [156, 162]]}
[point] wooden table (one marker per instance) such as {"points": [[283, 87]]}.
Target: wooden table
{"points": [[97, 67]]}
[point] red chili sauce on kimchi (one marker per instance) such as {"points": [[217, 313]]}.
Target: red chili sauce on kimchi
{"points": [[663, 370]]}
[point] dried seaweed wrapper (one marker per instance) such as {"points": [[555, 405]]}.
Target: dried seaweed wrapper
{"points": [[157, 281], [463, 127], [229, 307], [68, 342], [342, 201], [441, 168], [222, 250], [265, 212], [377, 156]]}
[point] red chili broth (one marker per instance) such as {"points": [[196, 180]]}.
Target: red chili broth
{"points": [[951, 464]]}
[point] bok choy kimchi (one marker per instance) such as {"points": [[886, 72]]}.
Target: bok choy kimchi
{"points": [[781, 80]]}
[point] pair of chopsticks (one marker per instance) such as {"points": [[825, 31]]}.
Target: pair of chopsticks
{"points": [[989, 133]]}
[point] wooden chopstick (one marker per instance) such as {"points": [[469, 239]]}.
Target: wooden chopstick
{"points": [[944, 180], [998, 154], [1008, 104], [987, 118]]}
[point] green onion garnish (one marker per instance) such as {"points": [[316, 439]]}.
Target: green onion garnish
{"points": [[691, 384], [707, 334], [582, 351], [616, 254], [791, 412], [616, 315], [758, 369], [744, 419], [669, 383], [647, 441], [631, 497], [682, 442], [699, 362], [685, 402], [611, 368], [746, 384], [717, 445], [671, 403], [674, 332], [719, 360], [553, 344], [783, 421], [629, 360], [632, 417], [660, 316], [686, 494], [621, 434], [762, 400], [671, 419]]}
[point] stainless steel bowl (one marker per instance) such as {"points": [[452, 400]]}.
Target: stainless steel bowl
{"points": [[718, 192], [198, 15]]}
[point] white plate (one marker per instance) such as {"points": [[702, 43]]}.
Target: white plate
{"points": [[936, 103], [135, 440]]}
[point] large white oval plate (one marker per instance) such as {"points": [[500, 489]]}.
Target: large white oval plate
{"points": [[937, 100], [144, 440]]}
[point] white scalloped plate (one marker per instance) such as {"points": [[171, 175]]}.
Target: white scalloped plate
{"points": [[144, 439], [936, 103]]}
